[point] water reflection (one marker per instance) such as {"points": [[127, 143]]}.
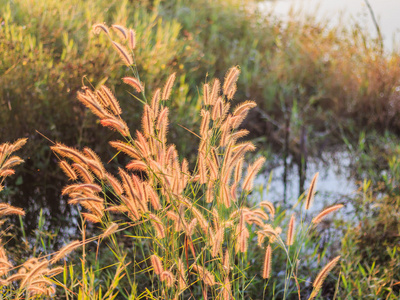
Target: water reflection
{"points": [[335, 183]]}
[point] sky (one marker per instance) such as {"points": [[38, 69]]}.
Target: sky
{"points": [[387, 13]]}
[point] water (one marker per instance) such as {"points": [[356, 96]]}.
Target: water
{"points": [[338, 12], [335, 183]]}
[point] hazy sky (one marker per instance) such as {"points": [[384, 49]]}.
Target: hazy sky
{"points": [[386, 11]]}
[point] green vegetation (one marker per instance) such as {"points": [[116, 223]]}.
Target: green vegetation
{"points": [[314, 86]]}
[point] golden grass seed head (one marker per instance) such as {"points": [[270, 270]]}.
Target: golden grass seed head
{"points": [[326, 212], [121, 31], [99, 27], [311, 191], [266, 272], [291, 231], [123, 53], [168, 87]]}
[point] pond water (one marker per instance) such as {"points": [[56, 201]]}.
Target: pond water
{"points": [[339, 12], [335, 183]]}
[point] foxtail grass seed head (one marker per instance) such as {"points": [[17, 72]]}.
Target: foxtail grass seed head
{"points": [[217, 110], [191, 227], [240, 112], [36, 270], [12, 162], [114, 183], [158, 226], [83, 173], [168, 87], [215, 91], [7, 172], [227, 289], [210, 192], [226, 262], [206, 94], [251, 173], [110, 230], [18, 144], [81, 187], [243, 237], [155, 102], [126, 148], [311, 191], [291, 230], [258, 212], [123, 53], [121, 31], [230, 80], [154, 198], [232, 92], [157, 265], [91, 218], [319, 280], [71, 153], [326, 212], [218, 240], [8, 210], [269, 206], [204, 123], [182, 275], [134, 82], [147, 121], [267, 263], [112, 102], [65, 250], [132, 39], [97, 28], [204, 274], [168, 277]]}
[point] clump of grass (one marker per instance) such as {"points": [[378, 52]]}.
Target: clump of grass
{"points": [[194, 222], [192, 225]]}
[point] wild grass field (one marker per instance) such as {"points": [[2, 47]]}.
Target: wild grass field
{"points": [[141, 127]]}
